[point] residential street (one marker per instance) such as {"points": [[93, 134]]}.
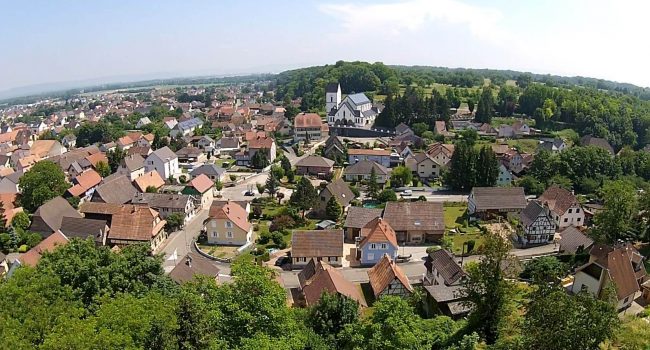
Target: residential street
{"points": [[178, 243]]}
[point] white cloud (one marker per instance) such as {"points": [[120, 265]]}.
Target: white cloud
{"points": [[411, 15]]}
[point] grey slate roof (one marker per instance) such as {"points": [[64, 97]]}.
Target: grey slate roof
{"points": [[365, 167], [571, 239], [117, 190], [444, 263], [415, 216], [162, 200], [332, 87], [164, 153], [499, 198], [192, 265], [209, 170], [442, 293], [315, 161], [531, 212], [359, 98], [83, 228], [358, 217], [48, 216], [133, 162]]}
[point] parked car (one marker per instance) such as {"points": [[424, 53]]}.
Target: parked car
{"points": [[282, 260]]}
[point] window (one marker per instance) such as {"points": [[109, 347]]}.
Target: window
{"points": [[566, 219], [322, 198], [570, 210], [373, 246], [384, 246], [229, 234], [578, 219], [228, 224], [626, 299], [214, 224], [370, 256], [577, 210], [215, 234]]}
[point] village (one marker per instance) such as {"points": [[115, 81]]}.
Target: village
{"points": [[361, 214]]}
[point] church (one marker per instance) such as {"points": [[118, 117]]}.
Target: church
{"points": [[353, 110]]}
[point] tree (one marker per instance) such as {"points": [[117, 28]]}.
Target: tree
{"points": [[333, 210], [485, 109], [291, 175], [387, 195], [419, 128], [103, 169], [463, 170], [544, 270], [174, 222], [218, 185], [286, 165], [259, 160], [305, 195], [373, 186], [115, 157], [558, 320], [531, 185], [260, 188], [21, 221], [332, 313], [401, 176], [487, 168], [151, 189], [486, 290], [272, 183], [44, 181], [392, 325], [277, 171], [616, 220]]}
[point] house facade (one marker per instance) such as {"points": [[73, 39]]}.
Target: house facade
{"points": [[362, 171], [415, 222], [163, 161], [505, 177], [309, 126], [314, 165], [564, 207], [485, 201], [317, 245], [537, 227], [386, 278], [377, 239], [228, 224]]}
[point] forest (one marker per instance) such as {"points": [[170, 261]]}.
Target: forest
{"points": [[617, 112]]}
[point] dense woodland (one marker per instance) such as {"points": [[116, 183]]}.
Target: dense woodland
{"points": [[618, 112]]}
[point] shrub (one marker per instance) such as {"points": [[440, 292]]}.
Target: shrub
{"points": [[264, 238], [433, 249], [355, 190], [282, 222]]}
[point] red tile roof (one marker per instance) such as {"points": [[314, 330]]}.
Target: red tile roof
{"points": [[85, 181], [328, 279], [231, 211], [151, 178], [384, 272], [378, 230], [202, 183], [32, 257], [307, 120]]}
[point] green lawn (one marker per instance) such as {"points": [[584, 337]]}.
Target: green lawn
{"points": [[525, 145], [498, 121], [219, 251], [220, 162], [455, 218]]}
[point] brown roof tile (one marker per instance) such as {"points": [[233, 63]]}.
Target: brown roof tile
{"points": [[558, 199], [377, 231], [192, 265], [384, 272], [499, 198], [33, 256], [136, 223], [328, 279], [414, 216], [151, 178], [317, 243], [231, 211]]}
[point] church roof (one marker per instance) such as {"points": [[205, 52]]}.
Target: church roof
{"points": [[359, 99]]}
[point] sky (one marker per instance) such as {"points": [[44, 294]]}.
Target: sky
{"points": [[44, 42]]}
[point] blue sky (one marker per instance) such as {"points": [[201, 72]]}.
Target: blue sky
{"points": [[62, 41]]}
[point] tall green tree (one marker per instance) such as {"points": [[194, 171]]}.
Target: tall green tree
{"points": [[44, 181], [401, 176], [487, 167], [616, 220], [115, 157], [373, 186], [272, 183], [305, 195], [332, 313], [463, 172], [485, 109], [333, 209], [103, 169], [487, 290]]}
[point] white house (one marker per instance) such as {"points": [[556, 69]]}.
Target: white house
{"points": [[423, 165], [355, 109], [163, 161], [505, 177], [564, 207]]}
